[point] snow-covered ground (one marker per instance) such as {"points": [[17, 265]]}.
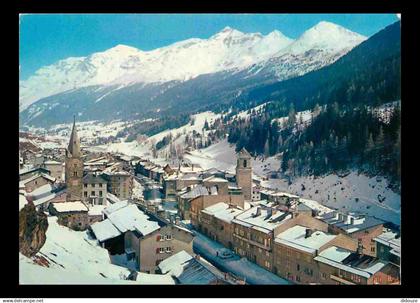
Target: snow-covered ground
{"points": [[74, 258], [245, 114], [241, 267], [354, 192], [220, 155]]}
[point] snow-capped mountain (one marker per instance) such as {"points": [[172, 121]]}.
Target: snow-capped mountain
{"points": [[228, 50], [325, 36]]}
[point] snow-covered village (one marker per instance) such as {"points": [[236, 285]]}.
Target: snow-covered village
{"points": [[236, 159]]}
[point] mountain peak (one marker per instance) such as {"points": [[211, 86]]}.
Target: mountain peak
{"points": [[228, 31], [326, 28], [327, 36], [123, 48], [279, 35]]}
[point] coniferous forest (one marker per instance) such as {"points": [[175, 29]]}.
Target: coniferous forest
{"points": [[345, 130]]}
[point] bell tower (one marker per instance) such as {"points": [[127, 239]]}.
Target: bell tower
{"points": [[244, 173], [74, 167]]}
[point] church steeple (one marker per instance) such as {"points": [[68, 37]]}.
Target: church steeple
{"points": [[74, 143], [74, 167]]}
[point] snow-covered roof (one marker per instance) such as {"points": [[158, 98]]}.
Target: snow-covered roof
{"points": [[175, 263], [96, 210], [34, 177], [189, 270], [105, 230], [112, 198], [52, 162], [388, 238], [275, 193], [75, 206], [123, 218], [351, 223], [346, 260], [222, 211], [312, 204], [264, 222], [45, 199], [195, 192], [295, 237], [41, 191], [131, 218], [215, 179], [114, 207]]}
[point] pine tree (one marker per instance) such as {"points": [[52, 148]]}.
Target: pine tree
{"points": [[291, 116], [266, 149]]}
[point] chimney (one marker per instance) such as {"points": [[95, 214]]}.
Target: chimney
{"points": [[308, 233], [345, 217], [269, 212], [360, 248], [197, 257]]}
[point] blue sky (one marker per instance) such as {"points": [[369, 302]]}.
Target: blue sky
{"points": [[45, 39]]}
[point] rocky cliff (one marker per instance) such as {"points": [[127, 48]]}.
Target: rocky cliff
{"points": [[32, 228]]}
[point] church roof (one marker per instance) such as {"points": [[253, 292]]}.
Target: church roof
{"points": [[74, 143], [244, 153]]}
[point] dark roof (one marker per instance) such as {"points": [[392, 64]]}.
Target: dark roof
{"points": [[359, 261], [195, 272], [93, 179], [195, 192]]}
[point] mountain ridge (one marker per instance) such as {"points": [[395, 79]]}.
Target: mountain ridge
{"points": [[227, 50]]}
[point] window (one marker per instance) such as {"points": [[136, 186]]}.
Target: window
{"points": [[85, 194], [297, 278], [169, 237], [75, 174], [100, 193], [168, 249], [245, 163], [85, 185], [324, 275], [267, 264], [372, 249], [298, 266], [92, 193], [100, 184], [93, 185], [161, 250]]}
